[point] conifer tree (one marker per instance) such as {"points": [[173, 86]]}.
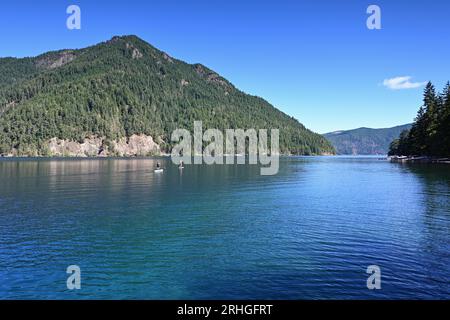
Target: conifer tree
{"points": [[430, 133], [444, 123], [431, 105], [418, 133]]}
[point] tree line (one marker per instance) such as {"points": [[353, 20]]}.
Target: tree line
{"points": [[430, 132]]}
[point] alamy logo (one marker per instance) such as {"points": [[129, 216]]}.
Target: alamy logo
{"points": [[374, 280], [235, 145], [374, 20], [74, 20], [74, 280]]}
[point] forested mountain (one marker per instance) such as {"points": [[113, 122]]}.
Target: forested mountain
{"points": [[125, 87], [430, 132], [364, 141]]}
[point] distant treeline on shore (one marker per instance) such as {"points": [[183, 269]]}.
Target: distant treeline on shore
{"points": [[430, 132]]}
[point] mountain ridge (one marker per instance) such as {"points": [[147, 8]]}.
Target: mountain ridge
{"points": [[364, 140], [125, 87]]}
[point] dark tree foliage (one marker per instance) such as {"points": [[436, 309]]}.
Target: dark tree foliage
{"points": [[123, 87], [430, 133]]}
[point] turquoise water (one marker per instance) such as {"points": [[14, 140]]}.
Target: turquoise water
{"points": [[224, 232]]}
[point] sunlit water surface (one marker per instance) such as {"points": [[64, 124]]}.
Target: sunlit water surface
{"points": [[224, 232]]}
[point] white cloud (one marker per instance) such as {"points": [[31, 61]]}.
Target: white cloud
{"points": [[400, 83]]}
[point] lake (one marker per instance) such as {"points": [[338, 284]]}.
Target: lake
{"points": [[224, 231]]}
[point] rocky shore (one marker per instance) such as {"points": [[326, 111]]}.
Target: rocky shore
{"points": [[133, 146]]}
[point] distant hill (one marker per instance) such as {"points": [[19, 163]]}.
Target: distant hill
{"points": [[364, 141], [125, 97]]}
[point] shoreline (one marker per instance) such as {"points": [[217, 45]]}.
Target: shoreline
{"points": [[58, 158], [419, 159]]}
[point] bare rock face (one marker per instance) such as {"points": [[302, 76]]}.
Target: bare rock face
{"points": [[13, 153], [167, 57], [135, 53], [56, 60], [61, 148], [136, 145]]}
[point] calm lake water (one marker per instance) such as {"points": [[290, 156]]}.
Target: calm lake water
{"points": [[224, 232]]}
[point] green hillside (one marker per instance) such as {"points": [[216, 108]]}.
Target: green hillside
{"points": [[364, 141], [124, 87]]}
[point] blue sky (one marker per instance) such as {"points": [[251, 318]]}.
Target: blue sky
{"points": [[315, 60]]}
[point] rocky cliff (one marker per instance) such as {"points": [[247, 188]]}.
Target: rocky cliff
{"points": [[134, 146]]}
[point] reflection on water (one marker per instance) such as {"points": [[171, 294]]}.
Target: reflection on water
{"points": [[224, 231]]}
